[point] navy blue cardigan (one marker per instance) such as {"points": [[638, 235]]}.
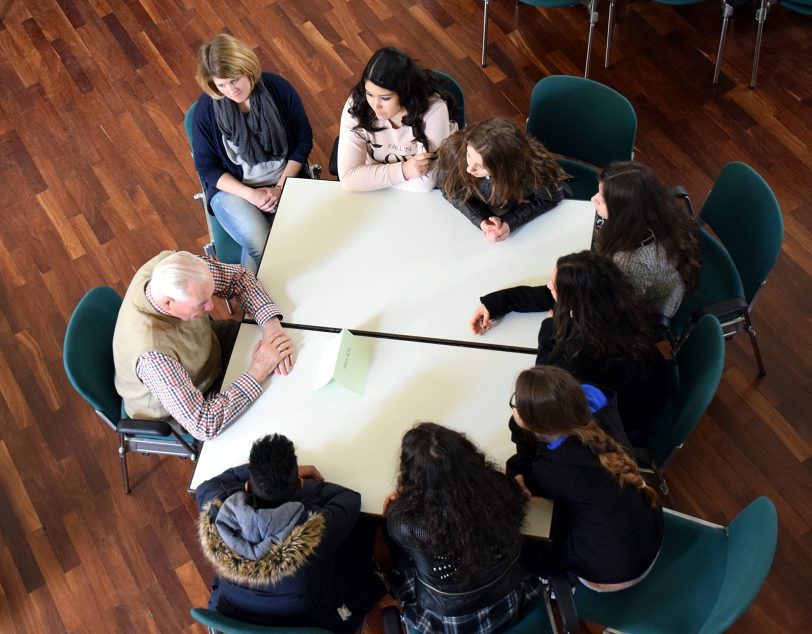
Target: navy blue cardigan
{"points": [[211, 160]]}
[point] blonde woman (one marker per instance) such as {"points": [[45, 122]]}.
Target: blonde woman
{"points": [[250, 133]]}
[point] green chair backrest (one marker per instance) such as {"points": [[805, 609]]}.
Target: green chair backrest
{"points": [[228, 625], [718, 281], [455, 90], [693, 586], [744, 213], [551, 4], [88, 351], [700, 362], [752, 537], [678, 593], [228, 250], [187, 122], [582, 119]]}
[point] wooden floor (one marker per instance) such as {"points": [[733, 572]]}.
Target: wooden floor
{"points": [[96, 177]]}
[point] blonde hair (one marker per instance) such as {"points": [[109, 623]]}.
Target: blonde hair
{"points": [[551, 402], [173, 275], [228, 58]]}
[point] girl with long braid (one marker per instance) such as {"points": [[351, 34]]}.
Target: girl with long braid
{"points": [[608, 525]]}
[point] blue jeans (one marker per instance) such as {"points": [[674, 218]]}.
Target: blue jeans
{"points": [[245, 223]]}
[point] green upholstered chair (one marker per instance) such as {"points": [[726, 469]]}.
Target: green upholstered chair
{"points": [[591, 7], [216, 622], [221, 245], [799, 6], [455, 90], [727, 12], [697, 370], [704, 579], [744, 214], [585, 122], [88, 359]]}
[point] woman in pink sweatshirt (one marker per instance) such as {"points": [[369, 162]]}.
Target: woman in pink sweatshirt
{"points": [[391, 126]]}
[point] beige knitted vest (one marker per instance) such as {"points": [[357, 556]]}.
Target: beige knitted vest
{"points": [[140, 328]]}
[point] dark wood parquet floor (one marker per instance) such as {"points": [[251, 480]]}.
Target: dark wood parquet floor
{"points": [[95, 177]]}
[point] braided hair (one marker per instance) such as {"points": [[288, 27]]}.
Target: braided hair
{"points": [[550, 403]]}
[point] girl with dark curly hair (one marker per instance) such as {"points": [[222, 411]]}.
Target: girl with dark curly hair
{"points": [[608, 526], [392, 124], [499, 176], [647, 236], [454, 521], [598, 332]]}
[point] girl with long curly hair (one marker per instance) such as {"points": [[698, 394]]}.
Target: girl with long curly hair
{"points": [[454, 524], [608, 526], [499, 177], [598, 332], [396, 117], [647, 236]]}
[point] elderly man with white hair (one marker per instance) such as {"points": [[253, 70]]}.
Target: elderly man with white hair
{"points": [[167, 349]]}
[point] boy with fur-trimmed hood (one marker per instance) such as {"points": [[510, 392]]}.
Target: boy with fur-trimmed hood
{"points": [[284, 543]]}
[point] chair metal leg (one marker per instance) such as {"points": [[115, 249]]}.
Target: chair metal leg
{"points": [[122, 454], [486, 5], [610, 25], [592, 7], [752, 332], [727, 11], [761, 16], [661, 478]]}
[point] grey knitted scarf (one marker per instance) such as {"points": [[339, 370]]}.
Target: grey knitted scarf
{"points": [[260, 135]]}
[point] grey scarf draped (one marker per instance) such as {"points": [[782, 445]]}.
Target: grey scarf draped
{"points": [[260, 135]]}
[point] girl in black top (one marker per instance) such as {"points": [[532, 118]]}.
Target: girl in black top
{"points": [[598, 332], [454, 521], [607, 526]]}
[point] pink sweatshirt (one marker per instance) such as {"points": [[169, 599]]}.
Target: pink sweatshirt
{"points": [[372, 160]]}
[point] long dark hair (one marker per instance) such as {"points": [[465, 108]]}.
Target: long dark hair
{"points": [[639, 206], [392, 69], [597, 309], [550, 402], [518, 163], [465, 504]]}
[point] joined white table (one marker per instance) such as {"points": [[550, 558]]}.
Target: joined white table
{"points": [[406, 263], [354, 439]]}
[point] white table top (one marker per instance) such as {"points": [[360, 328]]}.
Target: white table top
{"points": [[354, 440], [406, 263]]}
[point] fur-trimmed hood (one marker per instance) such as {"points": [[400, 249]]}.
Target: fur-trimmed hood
{"points": [[264, 551]]}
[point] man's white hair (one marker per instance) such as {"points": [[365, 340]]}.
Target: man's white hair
{"points": [[173, 275]]}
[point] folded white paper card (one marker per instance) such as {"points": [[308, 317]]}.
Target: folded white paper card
{"points": [[345, 360]]}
